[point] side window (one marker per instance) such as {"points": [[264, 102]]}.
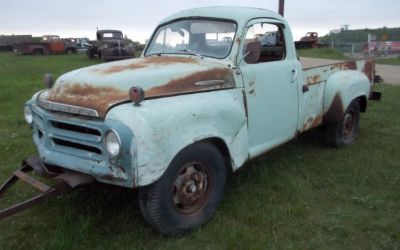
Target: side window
{"points": [[271, 40]]}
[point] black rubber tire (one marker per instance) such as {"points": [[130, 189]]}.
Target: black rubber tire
{"points": [[90, 53], [70, 51], [38, 52], [157, 202], [337, 134]]}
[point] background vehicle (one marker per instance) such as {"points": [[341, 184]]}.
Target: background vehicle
{"points": [[310, 40], [176, 121], [50, 44], [110, 45]]}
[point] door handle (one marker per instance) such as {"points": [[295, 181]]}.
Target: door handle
{"points": [[294, 75]]}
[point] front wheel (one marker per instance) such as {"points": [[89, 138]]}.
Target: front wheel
{"points": [[188, 193], [345, 131]]}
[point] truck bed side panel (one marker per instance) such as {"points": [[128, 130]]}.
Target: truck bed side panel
{"points": [[315, 104]]}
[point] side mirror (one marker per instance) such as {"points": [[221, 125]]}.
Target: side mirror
{"points": [[253, 51]]}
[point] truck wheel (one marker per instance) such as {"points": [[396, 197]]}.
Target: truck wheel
{"points": [[38, 52], [345, 131], [89, 53], [102, 57], [70, 51], [188, 193]]}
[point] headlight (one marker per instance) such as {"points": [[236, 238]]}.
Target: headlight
{"points": [[113, 143], [28, 114]]}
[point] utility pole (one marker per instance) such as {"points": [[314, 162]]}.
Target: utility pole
{"points": [[281, 7]]}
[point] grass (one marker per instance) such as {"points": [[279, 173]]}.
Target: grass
{"points": [[328, 53], [390, 61], [302, 195], [325, 53]]}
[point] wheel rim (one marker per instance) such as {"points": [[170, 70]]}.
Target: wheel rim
{"points": [[191, 188], [348, 124]]}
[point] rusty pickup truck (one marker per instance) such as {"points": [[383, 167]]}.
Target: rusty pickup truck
{"points": [[110, 45], [214, 88], [49, 44]]}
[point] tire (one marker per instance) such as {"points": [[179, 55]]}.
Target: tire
{"points": [[90, 53], [188, 193], [38, 52], [345, 131], [102, 57], [70, 51]]}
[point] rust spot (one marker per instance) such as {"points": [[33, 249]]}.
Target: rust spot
{"points": [[317, 121], [335, 111], [238, 39], [311, 80], [368, 70], [245, 103], [88, 96], [344, 65], [187, 84], [146, 62]]}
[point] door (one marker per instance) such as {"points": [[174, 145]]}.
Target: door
{"points": [[270, 82]]}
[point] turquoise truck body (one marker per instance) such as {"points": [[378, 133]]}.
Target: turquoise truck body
{"points": [[244, 109]]}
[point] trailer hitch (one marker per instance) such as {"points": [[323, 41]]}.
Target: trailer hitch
{"points": [[65, 181]]}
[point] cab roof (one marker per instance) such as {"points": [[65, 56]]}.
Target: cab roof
{"points": [[239, 14]]}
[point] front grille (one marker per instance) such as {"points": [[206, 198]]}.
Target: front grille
{"points": [[75, 128], [77, 146], [72, 135], [121, 52]]}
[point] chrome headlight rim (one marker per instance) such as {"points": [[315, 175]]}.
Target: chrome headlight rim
{"points": [[119, 143], [28, 114]]}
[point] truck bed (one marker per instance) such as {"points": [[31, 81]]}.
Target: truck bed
{"points": [[315, 75], [321, 68]]}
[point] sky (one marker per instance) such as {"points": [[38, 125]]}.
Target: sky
{"points": [[137, 19]]}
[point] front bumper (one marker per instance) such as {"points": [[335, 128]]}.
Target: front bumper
{"points": [[76, 143]]}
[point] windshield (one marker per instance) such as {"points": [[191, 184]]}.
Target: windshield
{"points": [[210, 38]]}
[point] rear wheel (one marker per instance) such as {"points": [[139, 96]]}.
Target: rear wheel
{"points": [[70, 51], [38, 52], [188, 193], [345, 131]]}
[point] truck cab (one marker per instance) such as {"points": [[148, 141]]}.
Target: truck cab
{"points": [[214, 88]]}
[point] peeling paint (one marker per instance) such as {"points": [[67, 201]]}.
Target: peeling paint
{"points": [[344, 65], [145, 62], [187, 84], [335, 111], [315, 79], [86, 95], [252, 86], [369, 70]]}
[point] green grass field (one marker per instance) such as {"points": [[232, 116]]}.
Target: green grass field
{"points": [[328, 53], [303, 195]]}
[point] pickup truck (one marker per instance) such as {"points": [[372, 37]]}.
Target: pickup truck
{"points": [[49, 44], [110, 45], [205, 97], [310, 40]]}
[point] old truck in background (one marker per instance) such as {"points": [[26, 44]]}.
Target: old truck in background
{"points": [[7, 41], [206, 97], [110, 45], [50, 44], [310, 40]]}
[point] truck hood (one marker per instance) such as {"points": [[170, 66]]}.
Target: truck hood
{"points": [[98, 88]]}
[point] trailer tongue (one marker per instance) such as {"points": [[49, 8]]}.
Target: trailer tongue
{"points": [[64, 182]]}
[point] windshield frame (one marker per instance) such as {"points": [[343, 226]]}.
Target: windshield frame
{"points": [[192, 18]]}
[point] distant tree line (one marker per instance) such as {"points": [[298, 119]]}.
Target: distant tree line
{"points": [[361, 35]]}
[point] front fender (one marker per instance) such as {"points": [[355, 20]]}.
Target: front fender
{"points": [[162, 127], [341, 88]]}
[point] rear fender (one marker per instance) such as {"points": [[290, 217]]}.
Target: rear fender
{"points": [[341, 88]]}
